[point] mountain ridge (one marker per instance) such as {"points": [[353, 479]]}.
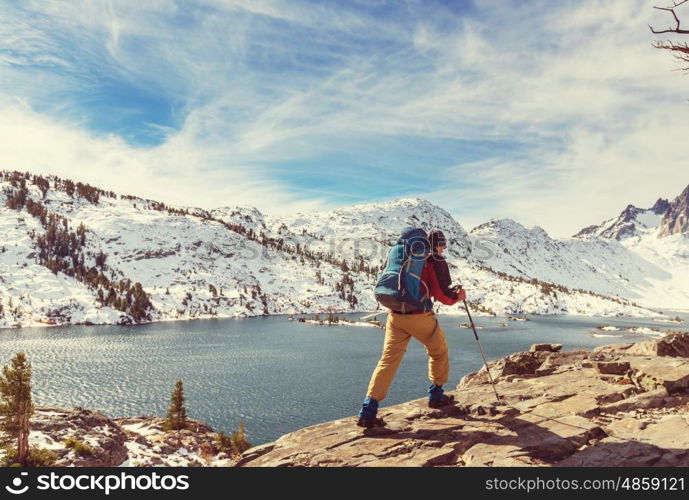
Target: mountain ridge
{"points": [[669, 217], [79, 254]]}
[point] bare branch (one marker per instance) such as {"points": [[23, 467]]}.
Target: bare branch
{"points": [[680, 51], [677, 29], [670, 30]]}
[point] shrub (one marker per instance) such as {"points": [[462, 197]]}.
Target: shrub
{"points": [[37, 457], [239, 439], [234, 444], [224, 443], [80, 448]]}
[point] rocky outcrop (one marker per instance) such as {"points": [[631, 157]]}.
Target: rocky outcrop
{"points": [[85, 438], [661, 206], [104, 440], [676, 219], [618, 405], [149, 445]]}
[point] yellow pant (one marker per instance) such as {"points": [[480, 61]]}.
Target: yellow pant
{"points": [[399, 329]]}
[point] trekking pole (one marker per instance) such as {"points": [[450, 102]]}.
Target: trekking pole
{"points": [[490, 377]]}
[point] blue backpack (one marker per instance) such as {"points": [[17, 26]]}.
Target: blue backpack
{"points": [[400, 287]]}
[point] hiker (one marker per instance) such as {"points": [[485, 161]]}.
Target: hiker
{"points": [[419, 323]]}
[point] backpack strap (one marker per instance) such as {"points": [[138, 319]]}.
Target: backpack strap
{"points": [[407, 263], [426, 295], [415, 276]]}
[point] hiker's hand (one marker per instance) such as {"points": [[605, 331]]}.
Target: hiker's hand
{"points": [[461, 294]]}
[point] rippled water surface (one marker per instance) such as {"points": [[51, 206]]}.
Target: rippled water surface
{"points": [[274, 375]]}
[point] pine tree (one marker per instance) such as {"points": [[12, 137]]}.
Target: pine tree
{"points": [[16, 406], [176, 412]]}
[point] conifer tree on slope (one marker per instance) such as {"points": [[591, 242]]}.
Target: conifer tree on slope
{"points": [[176, 412], [16, 406]]}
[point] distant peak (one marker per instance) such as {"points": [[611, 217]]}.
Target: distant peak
{"points": [[661, 206], [630, 212], [685, 194], [498, 224], [413, 201]]}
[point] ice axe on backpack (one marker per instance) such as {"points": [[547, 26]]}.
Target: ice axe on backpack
{"points": [[490, 377]]}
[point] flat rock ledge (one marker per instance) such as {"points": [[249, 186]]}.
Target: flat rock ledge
{"points": [[616, 405]]}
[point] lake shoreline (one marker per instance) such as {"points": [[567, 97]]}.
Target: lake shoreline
{"points": [[476, 314]]}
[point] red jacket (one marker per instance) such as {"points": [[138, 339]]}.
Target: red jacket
{"points": [[429, 277]]}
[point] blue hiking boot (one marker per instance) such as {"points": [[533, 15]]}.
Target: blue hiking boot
{"points": [[367, 414], [437, 397]]}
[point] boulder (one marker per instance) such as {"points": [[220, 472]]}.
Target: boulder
{"points": [[522, 363], [675, 344], [545, 347]]}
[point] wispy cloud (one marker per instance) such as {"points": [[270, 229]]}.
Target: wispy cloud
{"points": [[556, 114]]}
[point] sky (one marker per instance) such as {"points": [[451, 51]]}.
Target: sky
{"points": [[556, 114]]}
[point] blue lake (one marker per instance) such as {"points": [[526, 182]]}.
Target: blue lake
{"points": [[273, 374]]}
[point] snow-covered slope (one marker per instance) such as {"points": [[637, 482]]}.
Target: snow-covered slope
{"points": [[368, 230], [671, 254], [189, 264], [658, 237], [591, 263], [75, 254], [634, 256]]}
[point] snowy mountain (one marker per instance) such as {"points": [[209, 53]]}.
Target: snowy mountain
{"points": [[634, 255], [629, 223], [591, 263], [189, 264], [72, 253], [659, 237]]}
